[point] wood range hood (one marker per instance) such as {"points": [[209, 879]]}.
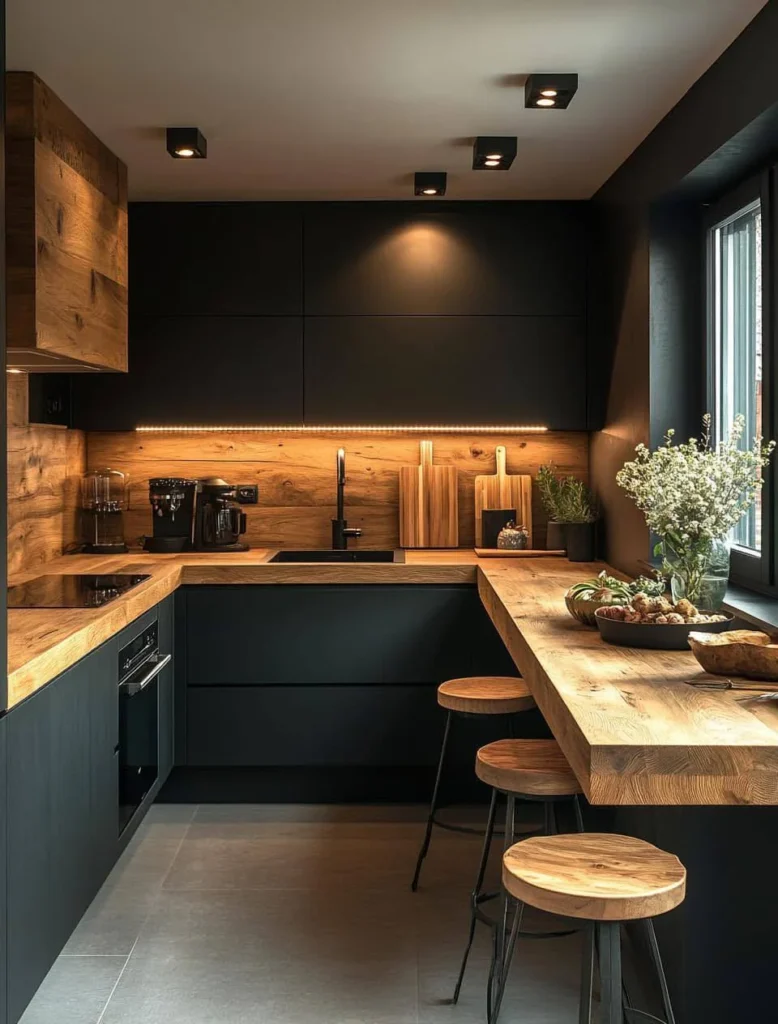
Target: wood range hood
{"points": [[66, 242]]}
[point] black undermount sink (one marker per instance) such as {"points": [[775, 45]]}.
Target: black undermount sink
{"points": [[338, 556]]}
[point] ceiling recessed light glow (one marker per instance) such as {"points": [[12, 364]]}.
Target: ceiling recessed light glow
{"points": [[492, 152], [429, 183], [186, 143], [550, 90]]}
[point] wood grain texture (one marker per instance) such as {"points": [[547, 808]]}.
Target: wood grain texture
{"points": [[518, 553], [296, 477], [531, 767], [429, 506], [485, 695], [594, 876], [633, 731], [44, 468], [503, 490], [66, 236]]}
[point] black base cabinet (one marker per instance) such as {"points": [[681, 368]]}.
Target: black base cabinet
{"points": [[300, 682], [3, 876], [61, 820]]}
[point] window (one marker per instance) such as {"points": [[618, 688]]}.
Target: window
{"points": [[738, 353]]}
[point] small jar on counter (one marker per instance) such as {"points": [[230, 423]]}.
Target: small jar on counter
{"points": [[512, 538]]}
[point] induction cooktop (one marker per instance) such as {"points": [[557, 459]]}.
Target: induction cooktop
{"points": [[72, 590]]}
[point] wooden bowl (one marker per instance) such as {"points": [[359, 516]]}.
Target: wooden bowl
{"points": [[659, 636], [740, 652], [584, 610]]}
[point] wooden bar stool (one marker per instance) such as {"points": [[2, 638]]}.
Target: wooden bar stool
{"points": [[604, 880], [530, 770], [473, 695]]}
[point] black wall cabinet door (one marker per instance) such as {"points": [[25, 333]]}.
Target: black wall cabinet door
{"points": [[215, 259], [432, 369], [400, 259], [212, 370]]}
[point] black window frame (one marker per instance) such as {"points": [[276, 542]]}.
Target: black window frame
{"points": [[757, 572]]}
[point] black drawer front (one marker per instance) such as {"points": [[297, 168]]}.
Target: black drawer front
{"points": [[338, 634]]}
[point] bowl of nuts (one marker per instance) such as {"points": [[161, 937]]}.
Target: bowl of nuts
{"points": [[657, 623]]}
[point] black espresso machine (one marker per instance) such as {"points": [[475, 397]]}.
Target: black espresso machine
{"points": [[195, 515]]}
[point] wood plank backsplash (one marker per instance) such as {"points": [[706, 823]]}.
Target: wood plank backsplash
{"points": [[45, 466], [296, 476]]}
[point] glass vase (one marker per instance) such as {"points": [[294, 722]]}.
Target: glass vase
{"points": [[699, 573]]}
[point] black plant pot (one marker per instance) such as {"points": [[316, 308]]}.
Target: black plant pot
{"points": [[580, 539], [555, 537]]}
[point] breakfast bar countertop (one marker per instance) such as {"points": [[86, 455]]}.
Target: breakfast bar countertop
{"points": [[632, 728]]}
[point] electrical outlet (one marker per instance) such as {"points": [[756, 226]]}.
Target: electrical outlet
{"points": [[248, 494]]}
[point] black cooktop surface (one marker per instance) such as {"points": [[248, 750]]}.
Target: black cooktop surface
{"points": [[72, 590]]}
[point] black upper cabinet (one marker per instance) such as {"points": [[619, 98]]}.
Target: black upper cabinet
{"points": [[215, 259], [428, 370], [212, 370], [525, 259]]}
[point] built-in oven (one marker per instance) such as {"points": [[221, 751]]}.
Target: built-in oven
{"points": [[140, 664]]}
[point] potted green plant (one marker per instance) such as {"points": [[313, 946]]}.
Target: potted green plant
{"points": [[692, 495], [572, 514]]}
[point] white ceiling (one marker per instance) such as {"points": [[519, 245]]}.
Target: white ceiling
{"points": [[331, 99]]}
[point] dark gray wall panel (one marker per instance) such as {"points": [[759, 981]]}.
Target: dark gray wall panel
{"points": [[213, 370], [228, 259], [494, 369], [405, 259]]}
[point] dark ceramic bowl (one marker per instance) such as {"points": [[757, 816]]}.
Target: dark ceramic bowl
{"points": [[660, 636]]}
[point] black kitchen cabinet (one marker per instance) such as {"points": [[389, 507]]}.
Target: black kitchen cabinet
{"points": [[346, 634], [320, 677], [103, 760], [459, 370], [51, 842], [215, 259], [185, 369], [403, 259]]}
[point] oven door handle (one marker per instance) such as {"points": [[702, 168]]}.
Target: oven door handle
{"points": [[133, 687]]}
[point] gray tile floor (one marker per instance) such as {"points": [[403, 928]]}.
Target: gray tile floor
{"points": [[224, 914]]}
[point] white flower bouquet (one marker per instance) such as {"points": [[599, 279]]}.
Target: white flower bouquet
{"points": [[693, 494]]}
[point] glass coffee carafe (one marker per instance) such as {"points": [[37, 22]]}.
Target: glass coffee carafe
{"points": [[104, 499]]}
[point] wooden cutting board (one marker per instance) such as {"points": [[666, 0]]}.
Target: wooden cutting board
{"points": [[429, 504], [503, 491]]}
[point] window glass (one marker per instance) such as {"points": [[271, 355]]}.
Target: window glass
{"points": [[735, 253]]}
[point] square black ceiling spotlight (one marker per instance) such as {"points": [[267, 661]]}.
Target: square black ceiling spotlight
{"points": [[550, 91], [186, 144], [494, 152], [429, 183]]}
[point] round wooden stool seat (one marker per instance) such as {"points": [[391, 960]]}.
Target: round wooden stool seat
{"points": [[595, 876], [529, 767], [485, 695]]}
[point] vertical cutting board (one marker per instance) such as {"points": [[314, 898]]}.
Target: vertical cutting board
{"points": [[429, 504], [503, 491]]}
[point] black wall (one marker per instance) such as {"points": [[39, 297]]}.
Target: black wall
{"points": [[325, 313]]}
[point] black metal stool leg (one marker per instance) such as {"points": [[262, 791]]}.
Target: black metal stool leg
{"points": [[493, 1005], [510, 829], [433, 806], [475, 895], [656, 957], [609, 945], [587, 975], [579, 822]]}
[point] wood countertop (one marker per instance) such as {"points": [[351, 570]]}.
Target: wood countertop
{"points": [[632, 729]]}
